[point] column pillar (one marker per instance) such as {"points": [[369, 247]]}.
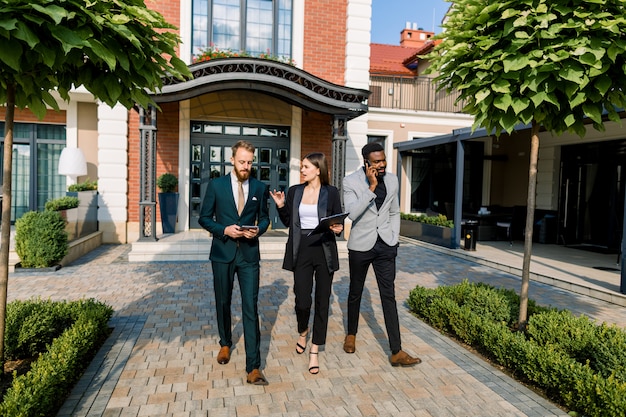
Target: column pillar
{"points": [[147, 163], [340, 136]]}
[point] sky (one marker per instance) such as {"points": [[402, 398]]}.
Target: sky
{"points": [[389, 17]]}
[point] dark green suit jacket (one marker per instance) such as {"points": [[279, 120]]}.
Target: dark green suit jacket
{"points": [[219, 210]]}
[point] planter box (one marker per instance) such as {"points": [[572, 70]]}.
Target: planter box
{"points": [[436, 235], [86, 221], [71, 222]]}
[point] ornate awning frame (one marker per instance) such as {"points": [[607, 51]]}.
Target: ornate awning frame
{"points": [[274, 78]]}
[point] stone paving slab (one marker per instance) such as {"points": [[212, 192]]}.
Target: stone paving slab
{"points": [[160, 359]]}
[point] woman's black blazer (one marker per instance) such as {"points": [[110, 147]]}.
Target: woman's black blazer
{"points": [[329, 203]]}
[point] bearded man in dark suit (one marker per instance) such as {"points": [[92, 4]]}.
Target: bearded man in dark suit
{"points": [[230, 202]]}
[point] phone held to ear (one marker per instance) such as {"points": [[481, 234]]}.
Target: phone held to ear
{"points": [[367, 163]]}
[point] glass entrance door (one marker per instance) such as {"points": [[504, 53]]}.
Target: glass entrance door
{"points": [[211, 153], [593, 179]]}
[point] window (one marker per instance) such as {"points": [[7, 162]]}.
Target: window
{"points": [[377, 139], [254, 26], [36, 152]]}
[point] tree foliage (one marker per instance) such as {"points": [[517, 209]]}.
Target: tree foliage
{"points": [[554, 62], [551, 64], [117, 50]]}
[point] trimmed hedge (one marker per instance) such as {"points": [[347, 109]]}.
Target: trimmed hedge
{"points": [[43, 389], [579, 364], [439, 220]]}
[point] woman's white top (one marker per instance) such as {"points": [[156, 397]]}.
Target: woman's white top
{"points": [[308, 216]]}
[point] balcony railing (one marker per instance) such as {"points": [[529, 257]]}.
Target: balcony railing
{"points": [[411, 93]]}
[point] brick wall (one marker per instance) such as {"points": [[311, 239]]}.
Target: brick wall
{"points": [[26, 116], [317, 135], [325, 39], [170, 9], [167, 124]]}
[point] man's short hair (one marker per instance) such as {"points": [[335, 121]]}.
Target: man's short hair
{"points": [[371, 147]]}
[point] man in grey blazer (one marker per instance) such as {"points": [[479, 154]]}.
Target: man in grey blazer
{"points": [[370, 195]]}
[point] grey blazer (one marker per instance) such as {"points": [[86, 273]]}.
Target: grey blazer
{"points": [[367, 221]]}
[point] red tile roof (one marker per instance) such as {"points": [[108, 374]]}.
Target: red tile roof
{"points": [[388, 59], [423, 50]]}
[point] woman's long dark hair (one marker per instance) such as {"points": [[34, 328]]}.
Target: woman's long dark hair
{"points": [[319, 160]]}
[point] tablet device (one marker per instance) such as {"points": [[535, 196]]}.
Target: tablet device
{"points": [[326, 222]]}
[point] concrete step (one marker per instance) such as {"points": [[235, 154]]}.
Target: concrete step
{"points": [[195, 246]]}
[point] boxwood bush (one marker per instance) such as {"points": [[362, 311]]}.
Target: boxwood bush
{"points": [[88, 185], [65, 348], [578, 363], [40, 239], [62, 203]]}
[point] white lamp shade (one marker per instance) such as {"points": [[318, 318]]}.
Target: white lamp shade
{"points": [[72, 162]]}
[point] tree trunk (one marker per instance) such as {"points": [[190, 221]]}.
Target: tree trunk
{"points": [[5, 227], [530, 221]]}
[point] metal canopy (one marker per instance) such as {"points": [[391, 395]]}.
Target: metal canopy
{"points": [[277, 79]]}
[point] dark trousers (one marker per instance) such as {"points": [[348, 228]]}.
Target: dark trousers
{"points": [[383, 258], [223, 279], [312, 262]]}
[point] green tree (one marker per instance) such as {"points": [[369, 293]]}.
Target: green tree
{"points": [[554, 64], [119, 51]]}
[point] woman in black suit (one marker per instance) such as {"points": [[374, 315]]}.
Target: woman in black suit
{"points": [[311, 256]]}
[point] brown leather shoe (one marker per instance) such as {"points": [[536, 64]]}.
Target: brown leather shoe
{"points": [[223, 357], [349, 345], [256, 378], [403, 359]]}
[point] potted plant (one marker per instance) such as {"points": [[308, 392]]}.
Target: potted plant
{"points": [[40, 239], [432, 229], [168, 201]]}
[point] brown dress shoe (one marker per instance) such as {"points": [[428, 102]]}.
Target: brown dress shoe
{"points": [[403, 359], [223, 357], [256, 378], [349, 345]]}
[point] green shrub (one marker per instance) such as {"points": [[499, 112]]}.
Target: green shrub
{"points": [[40, 239], [62, 203], [85, 186], [572, 335], [439, 220], [167, 182], [606, 356], [32, 325], [42, 390], [577, 363]]}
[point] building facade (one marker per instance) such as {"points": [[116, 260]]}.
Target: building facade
{"points": [[310, 93]]}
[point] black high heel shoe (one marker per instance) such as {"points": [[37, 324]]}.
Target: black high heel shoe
{"points": [[299, 348], [314, 370]]}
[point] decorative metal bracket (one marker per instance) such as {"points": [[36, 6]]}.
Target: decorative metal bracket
{"points": [[147, 181]]}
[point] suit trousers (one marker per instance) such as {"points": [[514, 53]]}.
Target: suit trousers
{"points": [[311, 261], [248, 277], [383, 258]]}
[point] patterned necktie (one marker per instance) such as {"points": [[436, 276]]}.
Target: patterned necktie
{"points": [[241, 201]]}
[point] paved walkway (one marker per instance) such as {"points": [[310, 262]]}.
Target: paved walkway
{"points": [[160, 359]]}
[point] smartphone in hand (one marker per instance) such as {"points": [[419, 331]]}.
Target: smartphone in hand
{"points": [[248, 227]]}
